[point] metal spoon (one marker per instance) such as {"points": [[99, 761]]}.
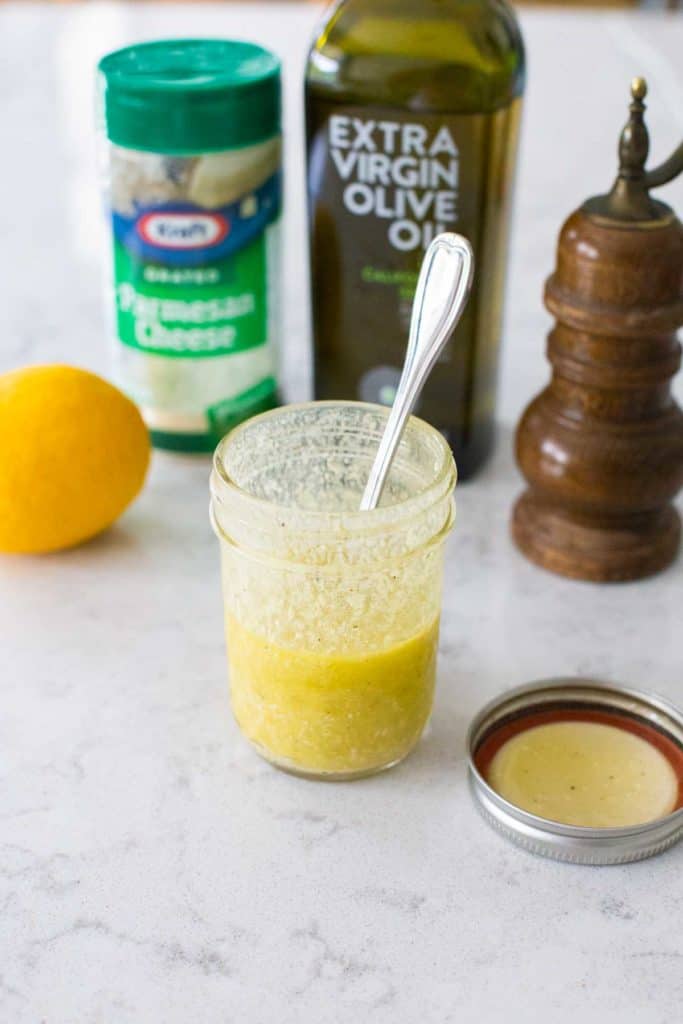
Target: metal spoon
{"points": [[442, 291]]}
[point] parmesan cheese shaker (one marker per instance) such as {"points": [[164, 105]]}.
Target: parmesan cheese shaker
{"points": [[194, 192]]}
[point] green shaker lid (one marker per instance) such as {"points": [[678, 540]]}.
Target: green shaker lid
{"points": [[186, 96]]}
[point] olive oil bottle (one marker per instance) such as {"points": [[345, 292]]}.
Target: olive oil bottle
{"points": [[412, 111]]}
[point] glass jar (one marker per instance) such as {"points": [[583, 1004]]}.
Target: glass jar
{"points": [[332, 615]]}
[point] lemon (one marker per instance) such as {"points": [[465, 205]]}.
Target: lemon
{"points": [[74, 453]]}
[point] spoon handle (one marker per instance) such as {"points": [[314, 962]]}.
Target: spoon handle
{"points": [[442, 291]]}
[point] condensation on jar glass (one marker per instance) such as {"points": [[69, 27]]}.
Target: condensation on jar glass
{"points": [[193, 186]]}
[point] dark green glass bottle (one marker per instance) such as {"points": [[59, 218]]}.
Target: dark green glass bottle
{"points": [[412, 111]]}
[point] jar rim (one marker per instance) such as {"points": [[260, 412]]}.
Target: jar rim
{"points": [[442, 482]]}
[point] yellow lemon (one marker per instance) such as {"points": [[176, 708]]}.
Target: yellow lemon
{"points": [[74, 453]]}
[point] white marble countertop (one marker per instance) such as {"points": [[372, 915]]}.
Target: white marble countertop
{"points": [[152, 869]]}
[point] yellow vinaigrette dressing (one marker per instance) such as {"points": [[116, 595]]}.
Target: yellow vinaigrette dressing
{"points": [[332, 713], [332, 614]]}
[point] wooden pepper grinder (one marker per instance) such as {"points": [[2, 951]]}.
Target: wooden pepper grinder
{"points": [[602, 446]]}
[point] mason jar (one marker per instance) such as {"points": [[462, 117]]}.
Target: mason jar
{"points": [[332, 614]]}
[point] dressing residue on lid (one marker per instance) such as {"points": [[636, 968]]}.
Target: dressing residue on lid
{"points": [[585, 773]]}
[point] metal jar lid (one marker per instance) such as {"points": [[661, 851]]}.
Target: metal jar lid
{"points": [[578, 844]]}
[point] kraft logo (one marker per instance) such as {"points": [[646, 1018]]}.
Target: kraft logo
{"points": [[173, 230]]}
